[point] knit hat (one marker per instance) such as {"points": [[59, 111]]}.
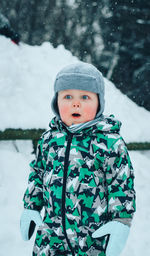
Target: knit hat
{"points": [[80, 76]]}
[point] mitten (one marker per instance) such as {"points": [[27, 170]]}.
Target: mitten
{"points": [[118, 236], [29, 219]]}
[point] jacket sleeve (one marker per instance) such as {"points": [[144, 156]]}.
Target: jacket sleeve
{"points": [[33, 197], [120, 183]]}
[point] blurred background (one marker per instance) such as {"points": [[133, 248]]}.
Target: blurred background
{"points": [[112, 34]]}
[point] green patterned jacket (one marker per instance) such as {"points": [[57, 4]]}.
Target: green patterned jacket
{"points": [[82, 180]]}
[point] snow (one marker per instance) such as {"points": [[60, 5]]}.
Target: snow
{"points": [[26, 89], [26, 81], [13, 182]]}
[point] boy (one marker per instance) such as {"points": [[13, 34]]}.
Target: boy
{"points": [[82, 175]]}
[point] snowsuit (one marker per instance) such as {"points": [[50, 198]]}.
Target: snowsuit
{"points": [[83, 180]]}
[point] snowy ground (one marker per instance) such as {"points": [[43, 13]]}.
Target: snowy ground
{"points": [[26, 80], [14, 159]]}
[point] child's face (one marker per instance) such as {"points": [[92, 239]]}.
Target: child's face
{"points": [[77, 106]]}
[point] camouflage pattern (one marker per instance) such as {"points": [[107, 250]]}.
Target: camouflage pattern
{"points": [[82, 180]]}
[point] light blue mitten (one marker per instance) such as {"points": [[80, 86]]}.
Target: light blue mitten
{"points": [[118, 236], [29, 219]]}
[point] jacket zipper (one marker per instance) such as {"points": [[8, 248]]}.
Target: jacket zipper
{"points": [[66, 164]]}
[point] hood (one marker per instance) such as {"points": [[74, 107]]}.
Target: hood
{"points": [[109, 124]]}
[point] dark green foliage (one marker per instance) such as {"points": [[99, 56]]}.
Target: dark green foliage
{"points": [[130, 26], [34, 135], [20, 134]]}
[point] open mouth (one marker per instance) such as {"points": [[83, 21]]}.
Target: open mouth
{"points": [[76, 115]]}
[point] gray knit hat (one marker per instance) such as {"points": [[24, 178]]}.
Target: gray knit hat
{"points": [[81, 76]]}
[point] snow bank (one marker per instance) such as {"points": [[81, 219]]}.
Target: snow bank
{"points": [[26, 88]]}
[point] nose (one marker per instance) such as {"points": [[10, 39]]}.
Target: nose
{"points": [[76, 104]]}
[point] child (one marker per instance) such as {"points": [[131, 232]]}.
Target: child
{"points": [[82, 175]]}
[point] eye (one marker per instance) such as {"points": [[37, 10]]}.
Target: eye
{"points": [[68, 97], [85, 97]]}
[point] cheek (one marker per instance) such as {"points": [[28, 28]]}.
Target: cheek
{"points": [[90, 111], [64, 110]]}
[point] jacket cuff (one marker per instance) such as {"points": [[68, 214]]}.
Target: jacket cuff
{"points": [[125, 221]]}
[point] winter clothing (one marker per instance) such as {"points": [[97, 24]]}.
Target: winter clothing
{"points": [[76, 127], [118, 236], [6, 30], [83, 180], [27, 224], [81, 76]]}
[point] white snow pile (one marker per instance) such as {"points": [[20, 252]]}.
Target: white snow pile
{"points": [[26, 87]]}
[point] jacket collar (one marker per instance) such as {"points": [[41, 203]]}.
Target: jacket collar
{"points": [[103, 124]]}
